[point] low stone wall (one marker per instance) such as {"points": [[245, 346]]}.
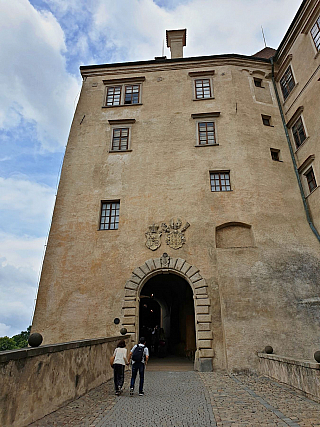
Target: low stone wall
{"points": [[37, 381], [301, 374]]}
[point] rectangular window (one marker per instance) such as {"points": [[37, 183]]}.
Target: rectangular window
{"points": [[315, 33], [203, 88], [109, 219], [299, 133], [132, 94], [113, 95], [311, 179], [220, 181], [257, 82], [206, 133], [120, 139], [287, 83]]}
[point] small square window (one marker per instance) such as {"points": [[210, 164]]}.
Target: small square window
{"points": [[203, 88], [266, 120], [287, 83], [275, 154], [109, 218], [298, 132], [206, 133], [120, 139], [220, 181], [311, 179], [257, 82]]}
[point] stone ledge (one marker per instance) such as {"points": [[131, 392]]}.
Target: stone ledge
{"points": [[6, 356], [290, 360]]}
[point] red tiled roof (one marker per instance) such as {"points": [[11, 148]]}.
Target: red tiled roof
{"points": [[266, 53]]}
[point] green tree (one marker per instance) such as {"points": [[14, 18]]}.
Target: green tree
{"points": [[7, 343], [17, 341], [21, 340]]}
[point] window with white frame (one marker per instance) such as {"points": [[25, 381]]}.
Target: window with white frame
{"points": [[315, 33]]}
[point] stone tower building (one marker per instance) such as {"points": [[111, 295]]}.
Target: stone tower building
{"points": [[188, 199]]}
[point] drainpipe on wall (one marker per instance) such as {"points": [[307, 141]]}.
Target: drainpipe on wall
{"points": [[306, 208]]}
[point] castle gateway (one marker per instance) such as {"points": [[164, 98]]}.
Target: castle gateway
{"points": [[188, 200]]}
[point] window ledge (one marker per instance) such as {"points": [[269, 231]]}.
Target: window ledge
{"points": [[203, 99], [229, 191], [119, 151], [289, 96], [122, 105], [268, 126], [206, 145], [312, 191]]}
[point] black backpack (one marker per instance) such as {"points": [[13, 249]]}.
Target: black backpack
{"points": [[138, 353]]}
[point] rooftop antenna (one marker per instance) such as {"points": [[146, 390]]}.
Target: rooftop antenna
{"points": [[162, 47], [264, 39]]}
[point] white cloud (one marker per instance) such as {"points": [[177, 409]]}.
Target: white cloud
{"points": [[31, 201], [34, 83]]}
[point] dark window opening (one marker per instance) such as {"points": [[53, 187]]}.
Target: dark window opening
{"points": [[311, 179], [275, 154], [287, 83], [266, 120], [257, 82], [299, 133]]}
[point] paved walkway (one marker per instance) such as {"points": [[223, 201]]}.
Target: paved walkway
{"points": [[183, 399]]}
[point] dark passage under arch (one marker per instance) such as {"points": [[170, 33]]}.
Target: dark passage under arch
{"points": [[166, 316]]}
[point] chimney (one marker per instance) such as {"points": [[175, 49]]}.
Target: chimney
{"points": [[176, 39]]}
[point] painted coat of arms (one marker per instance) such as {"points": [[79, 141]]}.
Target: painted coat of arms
{"points": [[175, 237], [153, 237]]}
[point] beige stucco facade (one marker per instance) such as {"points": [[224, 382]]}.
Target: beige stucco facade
{"points": [[249, 256]]}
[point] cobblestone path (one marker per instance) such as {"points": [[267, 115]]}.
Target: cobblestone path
{"points": [[190, 399]]}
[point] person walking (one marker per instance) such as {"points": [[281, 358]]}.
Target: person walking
{"points": [[140, 356], [120, 360]]}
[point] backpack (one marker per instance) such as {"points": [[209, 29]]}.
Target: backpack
{"points": [[138, 353]]}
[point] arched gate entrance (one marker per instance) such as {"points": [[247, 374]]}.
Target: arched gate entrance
{"points": [[202, 317]]}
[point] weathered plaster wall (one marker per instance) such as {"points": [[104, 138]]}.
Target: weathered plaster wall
{"points": [[37, 381], [303, 375], [253, 291]]}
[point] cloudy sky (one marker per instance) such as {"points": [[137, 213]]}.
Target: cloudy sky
{"points": [[42, 45]]}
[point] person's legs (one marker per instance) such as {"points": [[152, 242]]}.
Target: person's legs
{"points": [[116, 375], [134, 374], [121, 377], [141, 374]]}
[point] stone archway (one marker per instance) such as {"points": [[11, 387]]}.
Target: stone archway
{"points": [[179, 266]]}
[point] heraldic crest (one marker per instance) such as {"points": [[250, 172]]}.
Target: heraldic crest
{"points": [[153, 237], [175, 237]]}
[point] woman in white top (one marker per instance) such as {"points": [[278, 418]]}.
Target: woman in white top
{"points": [[120, 360]]}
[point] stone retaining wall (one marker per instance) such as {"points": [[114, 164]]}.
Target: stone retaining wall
{"points": [[37, 381], [301, 374]]}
